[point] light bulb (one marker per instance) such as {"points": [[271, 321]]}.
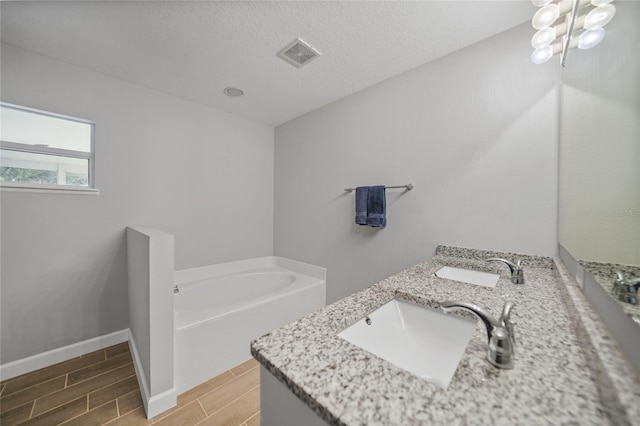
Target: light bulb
{"points": [[599, 2], [599, 17], [540, 3], [590, 38], [545, 16], [542, 55], [543, 37]]}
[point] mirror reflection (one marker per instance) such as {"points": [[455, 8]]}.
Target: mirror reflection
{"points": [[600, 158]]}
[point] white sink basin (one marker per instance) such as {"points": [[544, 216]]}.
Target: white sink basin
{"points": [[421, 340], [468, 276]]}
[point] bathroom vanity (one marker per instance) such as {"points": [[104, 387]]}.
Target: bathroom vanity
{"points": [[567, 369]]}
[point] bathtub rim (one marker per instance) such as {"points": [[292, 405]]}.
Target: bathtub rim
{"points": [[216, 270], [190, 285]]}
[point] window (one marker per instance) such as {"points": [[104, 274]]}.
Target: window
{"points": [[44, 150]]}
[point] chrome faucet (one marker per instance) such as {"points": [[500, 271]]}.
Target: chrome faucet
{"points": [[626, 290], [517, 273], [501, 346]]}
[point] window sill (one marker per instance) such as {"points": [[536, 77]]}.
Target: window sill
{"points": [[49, 189]]}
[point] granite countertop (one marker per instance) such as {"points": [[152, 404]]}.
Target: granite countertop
{"points": [[567, 369]]}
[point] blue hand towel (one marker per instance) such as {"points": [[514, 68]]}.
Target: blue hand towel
{"points": [[377, 207], [362, 195]]}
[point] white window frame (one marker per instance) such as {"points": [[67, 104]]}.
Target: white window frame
{"points": [[45, 150]]}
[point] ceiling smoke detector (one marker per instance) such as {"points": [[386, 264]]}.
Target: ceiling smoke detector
{"points": [[234, 92], [298, 53]]}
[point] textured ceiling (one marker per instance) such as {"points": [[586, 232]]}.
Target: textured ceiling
{"points": [[195, 49]]}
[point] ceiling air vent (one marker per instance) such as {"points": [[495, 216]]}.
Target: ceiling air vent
{"points": [[298, 53]]}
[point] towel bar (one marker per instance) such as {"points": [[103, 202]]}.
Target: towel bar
{"points": [[408, 187]]}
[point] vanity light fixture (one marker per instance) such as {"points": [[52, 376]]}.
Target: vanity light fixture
{"points": [[599, 17], [540, 3], [590, 38], [567, 24]]}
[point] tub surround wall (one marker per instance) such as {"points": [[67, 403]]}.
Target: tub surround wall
{"points": [[569, 372], [150, 272], [201, 174], [475, 132]]}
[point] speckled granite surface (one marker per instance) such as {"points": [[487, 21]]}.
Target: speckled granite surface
{"points": [[562, 373], [605, 274], [527, 260]]}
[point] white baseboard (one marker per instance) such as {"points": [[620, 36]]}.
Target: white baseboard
{"points": [[153, 404], [45, 359]]}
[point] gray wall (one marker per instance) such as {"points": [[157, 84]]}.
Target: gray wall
{"points": [[477, 134], [195, 172]]}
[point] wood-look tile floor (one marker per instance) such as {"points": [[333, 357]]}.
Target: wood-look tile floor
{"points": [[101, 388]]}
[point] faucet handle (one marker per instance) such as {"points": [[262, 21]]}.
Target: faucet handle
{"points": [[506, 312], [632, 283], [505, 319]]}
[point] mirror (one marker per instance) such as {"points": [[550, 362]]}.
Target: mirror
{"points": [[599, 180]]}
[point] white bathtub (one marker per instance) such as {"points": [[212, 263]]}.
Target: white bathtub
{"points": [[219, 309]]}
